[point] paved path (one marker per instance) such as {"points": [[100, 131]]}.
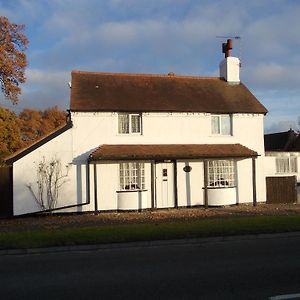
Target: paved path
{"points": [[231, 268]]}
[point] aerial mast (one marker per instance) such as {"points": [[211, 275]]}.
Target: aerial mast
{"points": [[226, 47]]}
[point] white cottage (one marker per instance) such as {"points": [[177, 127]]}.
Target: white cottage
{"points": [[143, 141]]}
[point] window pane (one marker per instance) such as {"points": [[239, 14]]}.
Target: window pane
{"points": [[135, 123], [282, 165], [132, 176], [123, 123], [293, 164], [225, 125], [221, 173], [215, 126]]}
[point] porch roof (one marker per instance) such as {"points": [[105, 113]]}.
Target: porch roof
{"points": [[170, 151]]}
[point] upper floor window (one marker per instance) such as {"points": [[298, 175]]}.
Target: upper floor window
{"points": [[221, 124], [286, 164], [132, 176], [130, 123], [221, 173]]}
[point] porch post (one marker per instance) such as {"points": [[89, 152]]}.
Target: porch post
{"points": [[175, 184], [205, 163], [88, 184], [254, 180], [95, 187], [152, 184]]}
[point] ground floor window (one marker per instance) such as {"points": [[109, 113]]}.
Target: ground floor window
{"points": [[132, 176], [221, 173], [286, 164]]}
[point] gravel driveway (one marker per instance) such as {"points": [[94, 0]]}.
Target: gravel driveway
{"points": [[156, 216]]}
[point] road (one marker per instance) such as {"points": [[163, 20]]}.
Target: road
{"points": [[209, 269]]}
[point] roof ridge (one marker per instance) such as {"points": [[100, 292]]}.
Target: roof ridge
{"points": [[172, 75]]}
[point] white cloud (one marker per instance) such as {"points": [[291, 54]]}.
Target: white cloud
{"points": [[273, 76], [160, 36], [45, 89]]}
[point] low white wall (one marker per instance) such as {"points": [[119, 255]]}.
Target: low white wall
{"points": [[135, 200], [221, 196]]}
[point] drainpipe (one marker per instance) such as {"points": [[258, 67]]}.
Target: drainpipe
{"points": [[205, 183], [254, 180], [175, 183]]}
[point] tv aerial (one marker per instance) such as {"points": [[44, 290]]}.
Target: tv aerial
{"points": [[226, 47]]}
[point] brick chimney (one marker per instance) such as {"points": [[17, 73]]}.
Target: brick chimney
{"points": [[230, 66]]}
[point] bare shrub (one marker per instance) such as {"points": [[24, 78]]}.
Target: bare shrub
{"points": [[50, 178]]}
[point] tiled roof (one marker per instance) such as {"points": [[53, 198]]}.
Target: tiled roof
{"points": [[159, 93], [171, 151], [282, 141]]}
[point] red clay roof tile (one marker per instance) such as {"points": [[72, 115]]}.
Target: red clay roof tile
{"points": [[93, 91]]}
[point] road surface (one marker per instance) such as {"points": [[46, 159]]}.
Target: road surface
{"points": [[209, 269]]}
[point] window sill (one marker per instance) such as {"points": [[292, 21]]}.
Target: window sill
{"points": [[221, 135], [220, 187], [131, 191], [128, 134], [287, 173]]}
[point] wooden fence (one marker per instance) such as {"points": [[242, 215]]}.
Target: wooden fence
{"points": [[6, 192], [281, 189]]}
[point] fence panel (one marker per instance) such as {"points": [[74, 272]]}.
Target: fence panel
{"points": [[281, 189], [6, 192]]}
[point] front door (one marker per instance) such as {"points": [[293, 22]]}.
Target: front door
{"points": [[165, 185]]}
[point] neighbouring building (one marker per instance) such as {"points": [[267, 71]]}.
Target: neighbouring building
{"points": [[282, 150], [144, 141]]}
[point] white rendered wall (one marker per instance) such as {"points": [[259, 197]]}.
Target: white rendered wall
{"points": [[94, 129], [270, 163], [244, 181], [190, 184], [108, 184], [90, 130], [73, 191]]}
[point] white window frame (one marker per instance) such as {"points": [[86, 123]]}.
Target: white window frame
{"points": [[220, 126], [286, 164], [132, 176], [130, 126], [221, 173]]}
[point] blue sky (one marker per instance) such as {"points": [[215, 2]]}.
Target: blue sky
{"points": [[161, 36]]}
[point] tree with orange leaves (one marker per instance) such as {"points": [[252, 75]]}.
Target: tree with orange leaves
{"points": [[34, 124], [10, 139], [13, 44]]}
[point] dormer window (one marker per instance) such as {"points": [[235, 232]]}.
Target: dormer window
{"points": [[221, 124], [130, 123]]}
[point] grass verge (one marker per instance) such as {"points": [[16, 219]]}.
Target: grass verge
{"points": [[147, 232]]}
